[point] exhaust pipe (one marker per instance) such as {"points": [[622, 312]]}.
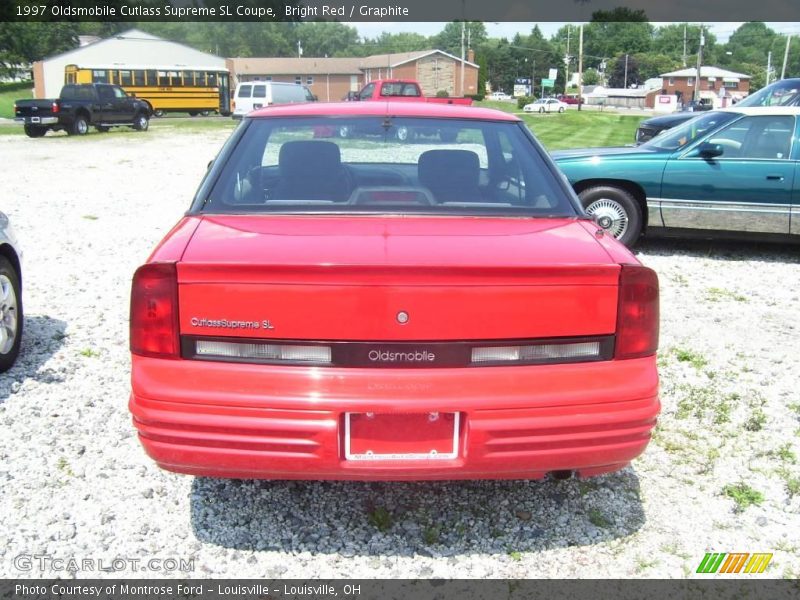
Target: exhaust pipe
{"points": [[561, 475]]}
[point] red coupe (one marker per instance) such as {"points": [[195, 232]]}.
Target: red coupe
{"points": [[375, 309]]}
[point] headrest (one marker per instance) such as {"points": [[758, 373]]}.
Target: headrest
{"points": [[309, 158], [438, 169]]}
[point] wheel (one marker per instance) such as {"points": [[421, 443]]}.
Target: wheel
{"points": [[141, 122], [10, 314], [541, 110], [615, 210], [35, 131], [80, 126], [102, 128], [448, 136], [560, 109], [205, 113], [193, 113], [344, 131], [402, 133], [158, 113]]}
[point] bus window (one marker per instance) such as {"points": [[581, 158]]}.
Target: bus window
{"points": [[99, 76], [188, 79], [199, 78], [125, 78], [138, 77], [175, 78], [212, 79], [163, 79]]}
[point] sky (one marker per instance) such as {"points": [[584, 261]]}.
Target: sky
{"points": [[722, 30]]}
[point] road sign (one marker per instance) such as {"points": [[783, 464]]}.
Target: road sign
{"points": [[548, 83]]}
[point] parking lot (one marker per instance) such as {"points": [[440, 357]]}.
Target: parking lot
{"points": [[721, 474]]}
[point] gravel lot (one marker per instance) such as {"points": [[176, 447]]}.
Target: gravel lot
{"points": [[721, 474]]}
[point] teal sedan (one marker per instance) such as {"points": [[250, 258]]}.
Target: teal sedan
{"points": [[729, 171]]}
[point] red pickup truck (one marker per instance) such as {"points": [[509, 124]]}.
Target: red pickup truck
{"points": [[405, 90]]}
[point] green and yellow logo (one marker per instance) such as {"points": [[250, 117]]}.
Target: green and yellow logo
{"points": [[734, 562]]}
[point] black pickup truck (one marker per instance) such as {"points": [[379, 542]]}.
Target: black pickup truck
{"points": [[80, 106]]}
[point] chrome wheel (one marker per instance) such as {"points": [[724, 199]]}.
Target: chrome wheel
{"points": [[81, 126], [344, 131], [402, 133], [610, 215], [9, 323]]}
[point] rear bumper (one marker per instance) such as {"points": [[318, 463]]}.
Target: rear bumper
{"points": [[36, 120], [256, 421]]}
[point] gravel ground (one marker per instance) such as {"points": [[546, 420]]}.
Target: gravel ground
{"points": [[721, 474]]}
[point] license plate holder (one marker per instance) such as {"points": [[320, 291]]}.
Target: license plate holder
{"points": [[36, 119], [401, 436]]}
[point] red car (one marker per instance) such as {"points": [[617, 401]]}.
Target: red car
{"points": [[376, 310]]}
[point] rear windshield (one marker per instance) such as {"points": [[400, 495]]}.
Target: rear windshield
{"points": [[245, 91], [400, 89], [77, 92], [387, 165], [287, 94]]}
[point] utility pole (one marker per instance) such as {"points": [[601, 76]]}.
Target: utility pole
{"points": [[580, 68], [696, 95], [299, 50], [684, 44], [769, 66], [786, 55], [463, 31], [625, 85], [566, 63]]}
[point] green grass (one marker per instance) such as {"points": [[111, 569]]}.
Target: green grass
{"points": [[7, 97], [575, 129], [743, 495]]}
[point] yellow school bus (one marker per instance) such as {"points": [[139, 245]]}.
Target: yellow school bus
{"points": [[165, 89]]}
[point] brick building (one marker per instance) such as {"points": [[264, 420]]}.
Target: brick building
{"points": [[712, 79], [331, 78]]}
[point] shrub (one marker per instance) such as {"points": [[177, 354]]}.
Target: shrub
{"points": [[523, 100]]}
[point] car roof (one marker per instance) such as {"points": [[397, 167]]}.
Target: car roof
{"points": [[765, 110], [394, 109]]}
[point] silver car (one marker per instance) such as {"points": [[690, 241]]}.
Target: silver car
{"points": [[10, 295]]}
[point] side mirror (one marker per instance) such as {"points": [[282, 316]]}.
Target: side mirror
{"points": [[709, 150]]}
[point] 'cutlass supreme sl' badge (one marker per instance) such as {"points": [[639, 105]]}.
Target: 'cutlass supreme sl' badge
{"points": [[231, 323]]}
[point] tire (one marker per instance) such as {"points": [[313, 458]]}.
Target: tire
{"points": [[205, 113], [193, 113], [102, 128], [617, 211], [345, 132], [448, 136], [141, 122], [402, 133], [560, 109], [35, 131], [80, 126], [541, 110], [158, 113], [11, 317]]}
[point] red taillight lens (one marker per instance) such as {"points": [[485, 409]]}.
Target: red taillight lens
{"points": [[154, 311], [55, 108], [637, 313]]}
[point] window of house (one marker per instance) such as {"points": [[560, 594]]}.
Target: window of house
{"points": [[690, 81], [298, 80], [309, 80]]}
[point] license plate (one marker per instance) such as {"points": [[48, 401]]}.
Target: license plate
{"points": [[405, 436], [35, 119]]}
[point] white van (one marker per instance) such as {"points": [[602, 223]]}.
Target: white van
{"points": [[252, 95]]}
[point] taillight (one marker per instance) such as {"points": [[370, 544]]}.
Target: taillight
{"points": [[55, 108], [233, 104], [637, 313], [154, 311]]}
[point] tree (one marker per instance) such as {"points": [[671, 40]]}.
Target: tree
{"points": [[24, 43], [392, 43], [668, 41], [618, 78], [591, 77], [615, 32], [449, 39], [326, 38]]}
